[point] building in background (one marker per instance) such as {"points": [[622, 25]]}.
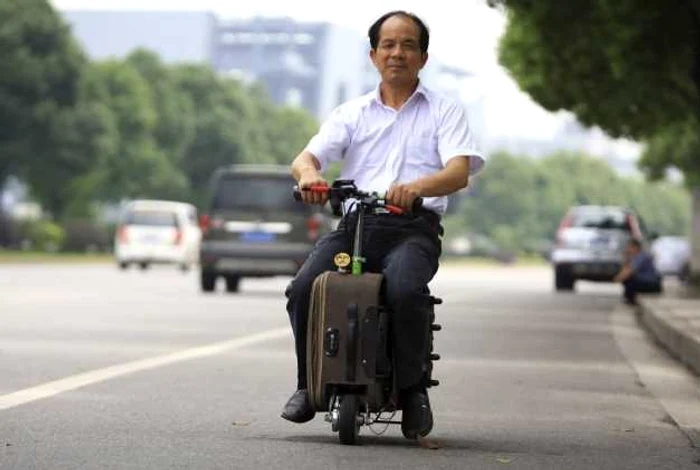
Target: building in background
{"points": [[176, 36], [312, 65], [315, 66]]}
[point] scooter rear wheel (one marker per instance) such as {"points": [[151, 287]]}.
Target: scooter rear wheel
{"points": [[348, 422]]}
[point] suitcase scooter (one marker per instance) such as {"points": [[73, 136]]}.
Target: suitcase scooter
{"points": [[349, 359]]}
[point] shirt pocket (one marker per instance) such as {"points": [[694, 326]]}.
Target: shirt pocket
{"points": [[421, 150]]}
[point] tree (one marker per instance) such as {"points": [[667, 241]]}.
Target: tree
{"points": [[81, 137], [581, 54], [39, 78], [631, 67], [224, 122], [289, 132], [505, 206], [678, 143], [136, 166], [519, 201], [175, 121], [286, 131]]}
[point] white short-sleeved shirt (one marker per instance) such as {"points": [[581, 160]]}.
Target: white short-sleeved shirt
{"points": [[380, 146]]}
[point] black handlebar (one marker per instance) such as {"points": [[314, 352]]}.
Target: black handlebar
{"points": [[342, 190]]}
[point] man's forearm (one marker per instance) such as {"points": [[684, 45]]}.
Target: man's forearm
{"points": [[305, 163], [453, 177]]}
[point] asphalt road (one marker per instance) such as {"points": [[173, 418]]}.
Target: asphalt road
{"points": [[102, 369]]}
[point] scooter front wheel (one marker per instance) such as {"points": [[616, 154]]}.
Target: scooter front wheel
{"points": [[348, 419]]}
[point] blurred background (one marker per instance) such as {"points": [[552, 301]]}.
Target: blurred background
{"points": [[104, 102]]}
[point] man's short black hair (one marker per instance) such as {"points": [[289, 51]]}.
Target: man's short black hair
{"points": [[424, 39]]}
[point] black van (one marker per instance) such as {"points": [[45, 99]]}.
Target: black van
{"points": [[253, 227]]}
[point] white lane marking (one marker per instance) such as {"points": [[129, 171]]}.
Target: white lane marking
{"points": [[67, 384]]}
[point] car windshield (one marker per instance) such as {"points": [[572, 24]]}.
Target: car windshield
{"points": [[152, 218], [258, 193], [601, 218]]}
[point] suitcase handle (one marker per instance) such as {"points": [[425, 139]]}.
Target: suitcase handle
{"points": [[351, 345], [330, 346]]}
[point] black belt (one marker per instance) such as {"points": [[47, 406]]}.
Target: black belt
{"points": [[428, 212], [430, 216]]}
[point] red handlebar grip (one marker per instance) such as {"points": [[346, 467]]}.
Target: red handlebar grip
{"points": [[318, 188], [394, 209]]}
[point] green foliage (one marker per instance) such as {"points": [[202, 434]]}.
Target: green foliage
{"points": [[678, 143], [39, 79], [63, 181], [80, 132], [136, 166], [175, 124], [42, 235], [631, 67], [519, 201], [286, 131], [224, 125]]}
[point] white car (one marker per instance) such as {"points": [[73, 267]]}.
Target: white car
{"points": [[672, 256], [152, 231]]}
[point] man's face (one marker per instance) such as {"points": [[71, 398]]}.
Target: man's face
{"points": [[398, 57]]}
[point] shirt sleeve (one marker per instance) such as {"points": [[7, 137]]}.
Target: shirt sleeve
{"points": [[455, 138], [329, 144]]}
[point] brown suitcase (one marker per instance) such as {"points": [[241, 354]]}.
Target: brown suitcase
{"points": [[346, 346]]}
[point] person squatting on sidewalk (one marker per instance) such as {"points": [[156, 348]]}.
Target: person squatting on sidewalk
{"points": [[638, 273]]}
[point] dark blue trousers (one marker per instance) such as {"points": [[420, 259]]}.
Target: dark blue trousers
{"points": [[406, 250], [634, 285]]}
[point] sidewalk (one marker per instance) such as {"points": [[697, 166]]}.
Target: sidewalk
{"points": [[673, 318]]}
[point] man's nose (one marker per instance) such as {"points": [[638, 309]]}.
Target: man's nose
{"points": [[397, 52]]}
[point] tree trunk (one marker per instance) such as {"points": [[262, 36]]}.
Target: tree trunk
{"points": [[695, 238]]}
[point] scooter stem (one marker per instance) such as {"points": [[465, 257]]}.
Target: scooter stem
{"points": [[357, 258]]}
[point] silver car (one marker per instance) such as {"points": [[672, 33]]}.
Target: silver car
{"points": [[590, 242]]}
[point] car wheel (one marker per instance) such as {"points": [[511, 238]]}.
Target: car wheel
{"points": [[207, 281], [563, 280], [123, 265], [232, 283], [144, 266], [184, 267]]}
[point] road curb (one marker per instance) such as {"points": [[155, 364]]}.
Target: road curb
{"points": [[670, 334], [676, 389]]}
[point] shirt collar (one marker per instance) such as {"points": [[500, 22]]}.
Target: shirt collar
{"points": [[420, 90]]}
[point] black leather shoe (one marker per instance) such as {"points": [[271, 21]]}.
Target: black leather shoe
{"points": [[417, 420], [298, 408]]}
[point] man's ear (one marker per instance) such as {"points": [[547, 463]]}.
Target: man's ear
{"points": [[424, 59], [373, 56]]}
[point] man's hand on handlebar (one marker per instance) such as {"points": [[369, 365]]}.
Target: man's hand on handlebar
{"points": [[402, 195], [309, 180]]}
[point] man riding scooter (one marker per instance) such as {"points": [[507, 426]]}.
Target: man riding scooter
{"points": [[409, 142]]}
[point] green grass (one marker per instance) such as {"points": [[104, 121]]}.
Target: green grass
{"points": [[13, 257]]}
